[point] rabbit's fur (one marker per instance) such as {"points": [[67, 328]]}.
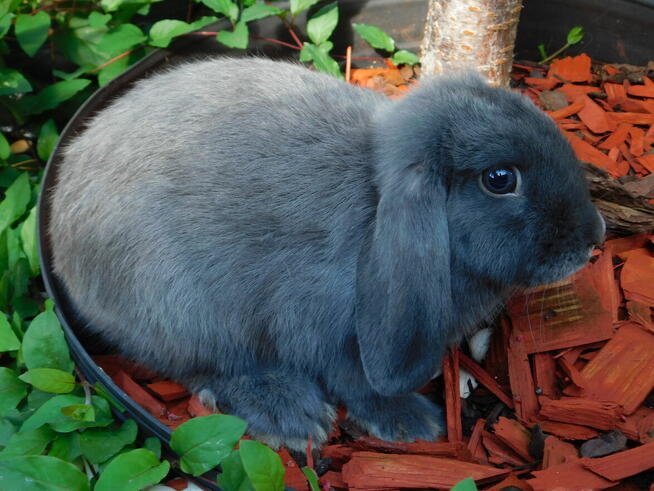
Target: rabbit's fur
{"points": [[285, 242]]}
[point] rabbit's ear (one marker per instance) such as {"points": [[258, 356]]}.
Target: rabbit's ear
{"points": [[403, 284]]}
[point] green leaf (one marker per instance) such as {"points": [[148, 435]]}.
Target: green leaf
{"points": [[44, 344], [153, 445], [51, 413], [8, 339], [5, 24], [12, 390], [78, 41], [468, 484], [203, 21], [121, 39], [100, 444], [4, 147], [542, 52], [111, 5], [26, 306], [36, 398], [79, 412], [102, 392], [30, 245], [375, 37], [31, 442], [7, 429], [404, 57], [322, 23], [8, 6], [65, 447], [202, 443], [233, 477], [238, 38], [298, 6], [13, 82], [41, 473], [132, 471], [575, 35], [263, 466], [32, 31], [226, 7], [51, 96], [314, 485], [111, 71], [72, 75], [49, 380], [259, 11], [96, 19], [322, 61], [47, 139], [162, 32], [16, 199]]}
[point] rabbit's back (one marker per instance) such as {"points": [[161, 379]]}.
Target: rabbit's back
{"points": [[213, 209]]}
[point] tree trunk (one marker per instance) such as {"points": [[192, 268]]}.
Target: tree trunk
{"points": [[478, 34]]}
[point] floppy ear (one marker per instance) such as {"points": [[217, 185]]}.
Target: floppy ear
{"points": [[403, 284]]}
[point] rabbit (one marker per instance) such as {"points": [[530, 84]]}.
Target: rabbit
{"points": [[283, 242]]}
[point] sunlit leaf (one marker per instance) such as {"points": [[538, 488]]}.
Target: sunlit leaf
{"points": [[322, 23], [32, 31], [375, 37], [238, 38]]}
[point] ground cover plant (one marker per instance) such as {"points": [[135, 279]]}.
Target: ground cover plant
{"points": [[58, 431]]}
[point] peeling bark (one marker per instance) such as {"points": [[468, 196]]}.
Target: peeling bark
{"points": [[478, 34]]}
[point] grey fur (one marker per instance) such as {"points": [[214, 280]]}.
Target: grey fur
{"points": [[285, 242]]}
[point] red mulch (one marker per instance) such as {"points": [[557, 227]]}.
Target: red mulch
{"points": [[571, 362]]}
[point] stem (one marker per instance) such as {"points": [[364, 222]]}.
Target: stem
{"points": [[116, 58], [275, 41], [23, 162], [555, 54], [88, 470], [295, 38], [86, 386], [348, 63]]}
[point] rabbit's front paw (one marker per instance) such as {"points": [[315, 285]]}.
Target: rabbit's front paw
{"points": [[282, 410], [398, 418]]}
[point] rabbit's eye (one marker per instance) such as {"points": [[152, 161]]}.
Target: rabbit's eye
{"points": [[500, 180]]}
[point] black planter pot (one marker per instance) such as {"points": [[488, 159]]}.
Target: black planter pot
{"points": [[616, 31]]}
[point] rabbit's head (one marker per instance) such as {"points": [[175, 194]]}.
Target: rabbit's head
{"points": [[479, 194]]}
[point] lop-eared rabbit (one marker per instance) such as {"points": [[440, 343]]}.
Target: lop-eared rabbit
{"points": [[283, 242]]}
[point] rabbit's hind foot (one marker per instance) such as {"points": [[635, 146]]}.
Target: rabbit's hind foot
{"points": [[282, 410], [397, 418]]}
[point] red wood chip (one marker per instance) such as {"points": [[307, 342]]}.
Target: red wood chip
{"points": [[557, 452], [167, 390], [623, 464], [572, 475], [576, 410], [570, 312], [623, 370], [375, 470], [571, 69], [293, 477], [140, 395], [514, 435]]}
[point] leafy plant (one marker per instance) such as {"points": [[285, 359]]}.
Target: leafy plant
{"points": [[467, 484], [56, 431], [575, 35], [378, 39]]}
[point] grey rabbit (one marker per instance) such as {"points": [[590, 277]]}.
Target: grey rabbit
{"points": [[283, 242]]}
